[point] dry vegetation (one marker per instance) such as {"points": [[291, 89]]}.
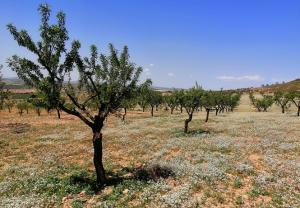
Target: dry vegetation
{"points": [[245, 159]]}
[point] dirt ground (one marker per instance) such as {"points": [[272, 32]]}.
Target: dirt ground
{"points": [[239, 159]]}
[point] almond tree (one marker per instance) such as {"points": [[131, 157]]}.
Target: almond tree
{"points": [[179, 95], [105, 80], [281, 100], [144, 95], [208, 101], [171, 101], [3, 92], [262, 104], [233, 101], [192, 99], [9, 104], [154, 99], [294, 97]]}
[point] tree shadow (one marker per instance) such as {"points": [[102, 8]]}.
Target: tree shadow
{"points": [[191, 133], [142, 173]]}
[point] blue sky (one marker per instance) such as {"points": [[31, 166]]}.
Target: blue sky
{"points": [[218, 43]]}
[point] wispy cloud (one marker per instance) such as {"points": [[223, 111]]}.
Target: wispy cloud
{"points": [[170, 74], [241, 78], [151, 65], [147, 71]]}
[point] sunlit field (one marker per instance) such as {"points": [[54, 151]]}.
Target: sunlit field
{"points": [[244, 158]]}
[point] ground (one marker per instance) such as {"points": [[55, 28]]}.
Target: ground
{"points": [[239, 159]]}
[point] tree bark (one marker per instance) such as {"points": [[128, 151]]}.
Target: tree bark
{"points": [[143, 109], [298, 114], [217, 111], [207, 114], [58, 113], [186, 123], [124, 115], [38, 111], [152, 107], [98, 151], [282, 109], [180, 109]]}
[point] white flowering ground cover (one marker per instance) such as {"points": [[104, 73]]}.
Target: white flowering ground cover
{"points": [[240, 159]]}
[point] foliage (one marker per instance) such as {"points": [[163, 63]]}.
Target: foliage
{"points": [[281, 99], [9, 103], [23, 106], [171, 101], [3, 93], [262, 104], [192, 101], [105, 80], [144, 95]]}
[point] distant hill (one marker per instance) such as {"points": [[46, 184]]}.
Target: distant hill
{"points": [[293, 85], [16, 83]]}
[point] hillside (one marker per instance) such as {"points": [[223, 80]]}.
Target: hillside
{"points": [[293, 85]]}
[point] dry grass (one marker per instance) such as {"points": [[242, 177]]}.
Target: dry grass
{"points": [[244, 158]]}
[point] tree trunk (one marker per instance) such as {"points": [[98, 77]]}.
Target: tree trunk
{"points": [[156, 107], [186, 123], [180, 109], [38, 111], [172, 109], [207, 114], [98, 153], [217, 111], [298, 114], [58, 113], [152, 108], [124, 115], [282, 109], [9, 110], [143, 109]]}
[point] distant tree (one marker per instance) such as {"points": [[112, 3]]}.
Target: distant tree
{"points": [[294, 97], [127, 104], [262, 104], [3, 93], [208, 101], [179, 95], [37, 103], [22, 106], [144, 95], [233, 100], [9, 104], [154, 100], [282, 100], [192, 99], [106, 81], [219, 101], [171, 101]]}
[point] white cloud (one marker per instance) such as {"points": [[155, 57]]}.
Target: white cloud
{"points": [[151, 65], [170, 74], [241, 78], [147, 71]]}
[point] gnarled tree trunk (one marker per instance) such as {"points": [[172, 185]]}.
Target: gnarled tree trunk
{"points": [[58, 113], [152, 108], [207, 114], [186, 122], [282, 109], [98, 152], [124, 115]]}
